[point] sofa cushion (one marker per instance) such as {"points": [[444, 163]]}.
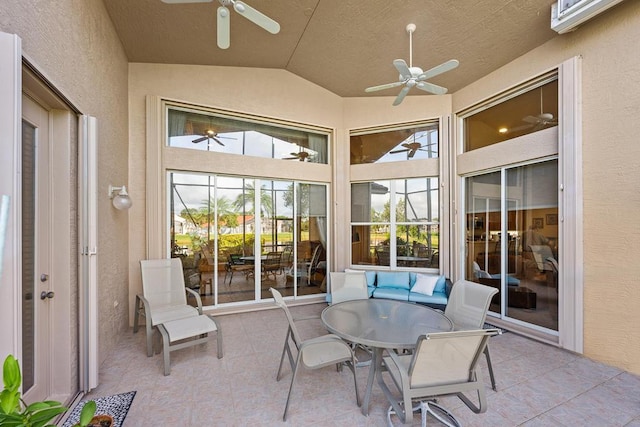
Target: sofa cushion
{"points": [[391, 293], [438, 298], [425, 284], [393, 279], [441, 285]]}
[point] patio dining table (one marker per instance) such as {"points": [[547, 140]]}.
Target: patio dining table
{"points": [[382, 324]]}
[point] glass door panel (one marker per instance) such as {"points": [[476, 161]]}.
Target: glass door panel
{"points": [[512, 240], [276, 235], [533, 252]]}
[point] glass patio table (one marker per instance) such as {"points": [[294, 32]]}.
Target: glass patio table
{"points": [[382, 324]]}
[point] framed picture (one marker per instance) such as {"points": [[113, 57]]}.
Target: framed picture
{"points": [[552, 219], [538, 223]]}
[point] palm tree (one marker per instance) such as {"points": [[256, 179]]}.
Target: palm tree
{"points": [[245, 201], [225, 213]]}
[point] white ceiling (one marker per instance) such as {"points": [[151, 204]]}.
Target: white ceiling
{"points": [[341, 45]]}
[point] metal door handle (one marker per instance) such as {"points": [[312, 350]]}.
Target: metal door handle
{"points": [[44, 277], [45, 295]]}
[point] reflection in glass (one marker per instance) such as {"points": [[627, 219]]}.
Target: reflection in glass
{"points": [[529, 112], [411, 143], [212, 132], [516, 249]]}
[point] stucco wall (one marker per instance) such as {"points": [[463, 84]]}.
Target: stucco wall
{"points": [[74, 44], [611, 159], [265, 92]]}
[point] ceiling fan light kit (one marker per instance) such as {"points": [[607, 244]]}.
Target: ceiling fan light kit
{"points": [[224, 18], [411, 76]]}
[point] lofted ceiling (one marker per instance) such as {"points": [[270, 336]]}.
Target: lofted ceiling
{"points": [[341, 45]]}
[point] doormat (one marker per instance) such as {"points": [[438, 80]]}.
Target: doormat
{"points": [[116, 405]]}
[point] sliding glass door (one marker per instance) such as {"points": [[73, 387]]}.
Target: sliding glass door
{"points": [[512, 240], [239, 236]]}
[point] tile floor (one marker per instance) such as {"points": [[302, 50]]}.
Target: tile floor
{"points": [[538, 385]]}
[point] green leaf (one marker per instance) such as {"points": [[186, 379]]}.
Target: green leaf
{"points": [[11, 374], [9, 401], [43, 416], [88, 410]]}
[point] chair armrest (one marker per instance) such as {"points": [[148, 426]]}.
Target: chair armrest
{"points": [[198, 299], [310, 317], [404, 375], [323, 339]]}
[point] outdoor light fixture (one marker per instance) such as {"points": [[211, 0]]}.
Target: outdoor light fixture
{"points": [[120, 199]]}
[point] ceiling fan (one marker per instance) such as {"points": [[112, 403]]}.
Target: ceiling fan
{"points": [[301, 155], [224, 27], [411, 148], [411, 76], [538, 122], [210, 134]]}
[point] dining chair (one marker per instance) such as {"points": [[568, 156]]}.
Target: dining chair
{"points": [[443, 363], [271, 265], [314, 353], [348, 286], [467, 309], [236, 264]]}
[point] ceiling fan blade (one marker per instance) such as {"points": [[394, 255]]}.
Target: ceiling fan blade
{"points": [[256, 17], [224, 28], [402, 68], [217, 140], [204, 138], [398, 151], [519, 128], [382, 87], [186, 1], [532, 119], [411, 153], [401, 95], [430, 87], [439, 69]]}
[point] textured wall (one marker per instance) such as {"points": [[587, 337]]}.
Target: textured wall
{"points": [[611, 159], [73, 43]]}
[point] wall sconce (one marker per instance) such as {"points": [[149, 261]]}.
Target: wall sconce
{"points": [[121, 199]]}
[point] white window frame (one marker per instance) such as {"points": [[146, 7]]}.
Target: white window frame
{"points": [[565, 141]]}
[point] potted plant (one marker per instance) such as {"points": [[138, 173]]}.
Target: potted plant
{"points": [[89, 419], [14, 411]]}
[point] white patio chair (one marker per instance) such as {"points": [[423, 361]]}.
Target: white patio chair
{"points": [[444, 363], [163, 296], [467, 309], [348, 286], [314, 353]]}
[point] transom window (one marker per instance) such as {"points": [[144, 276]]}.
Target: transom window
{"points": [[522, 112], [404, 142], [210, 131]]}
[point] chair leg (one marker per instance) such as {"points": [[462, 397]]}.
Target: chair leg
{"points": [[149, 329], [218, 337], [490, 367], [165, 350], [286, 351], [293, 379], [136, 314]]}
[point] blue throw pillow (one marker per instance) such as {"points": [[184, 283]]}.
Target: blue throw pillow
{"points": [[395, 279], [441, 285]]}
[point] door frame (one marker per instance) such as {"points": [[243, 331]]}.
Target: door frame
{"points": [[17, 74]]}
